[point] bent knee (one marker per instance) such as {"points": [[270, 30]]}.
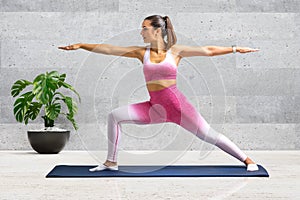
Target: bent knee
{"points": [[111, 117]]}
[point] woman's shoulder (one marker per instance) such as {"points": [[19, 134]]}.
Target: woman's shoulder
{"points": [[142, 49], [176, 49], [140, 52], [137, 50]]}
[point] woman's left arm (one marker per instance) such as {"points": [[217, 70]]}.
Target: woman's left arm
{"points": [[217, 50], [189, 51]]}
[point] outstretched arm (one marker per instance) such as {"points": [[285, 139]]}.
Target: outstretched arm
{"points": [[131, 51], [189, 51]]}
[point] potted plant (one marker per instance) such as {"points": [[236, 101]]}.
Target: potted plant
{"points": [[45, 94]]}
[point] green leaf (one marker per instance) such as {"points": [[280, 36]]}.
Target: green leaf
{"points": [[54, 74], [32, 112], [62, 79], [39, 78], [21, 105], [58, 93], [18, 86], [72, 106], [45, 85], [66, 85], [53, 110], [44, 91], [71, 119]]}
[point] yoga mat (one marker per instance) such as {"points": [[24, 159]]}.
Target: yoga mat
{"points": [[158, 171]]}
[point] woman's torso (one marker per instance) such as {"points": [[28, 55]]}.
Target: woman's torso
{"points": [[170, 57]]}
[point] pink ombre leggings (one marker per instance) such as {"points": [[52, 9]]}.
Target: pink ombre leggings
{"points": [[166, 105]]}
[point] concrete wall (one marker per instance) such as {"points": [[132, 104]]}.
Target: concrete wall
{"points": [[251, 98]]}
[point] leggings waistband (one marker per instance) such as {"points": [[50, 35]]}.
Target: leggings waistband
{"points": [[163, 90]]}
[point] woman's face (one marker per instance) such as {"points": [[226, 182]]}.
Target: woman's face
{"points": [[148, 33]]}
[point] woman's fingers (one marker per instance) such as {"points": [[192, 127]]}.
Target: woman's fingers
{"points": [[62, 48], [246, 50], [70, 47], [253, 50], [66, 48]]}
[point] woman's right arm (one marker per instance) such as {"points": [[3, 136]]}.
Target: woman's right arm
{"points": [[131, 51]]}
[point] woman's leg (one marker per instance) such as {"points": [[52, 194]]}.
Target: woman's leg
{"points": [[192, 121], [134, 113], [138, 113], [204, 131]]}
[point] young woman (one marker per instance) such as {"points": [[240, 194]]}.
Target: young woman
{"points": [[167, 104]]}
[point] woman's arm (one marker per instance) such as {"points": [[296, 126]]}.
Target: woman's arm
{"points": [[131, 51], [189, 51]]}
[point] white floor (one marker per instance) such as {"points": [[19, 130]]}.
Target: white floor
{"points": [[22, 176]]}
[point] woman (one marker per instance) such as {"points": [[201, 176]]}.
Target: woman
{"points": [[167, 103]]}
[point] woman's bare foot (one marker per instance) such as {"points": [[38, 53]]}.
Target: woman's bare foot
{"points": [[248, 161], [109, 163], [251, 166]]}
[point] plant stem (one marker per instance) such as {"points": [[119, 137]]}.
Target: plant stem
{"points": [[48, 122]]}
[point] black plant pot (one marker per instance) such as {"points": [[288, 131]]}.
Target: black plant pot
{"points": [[48, 142]]}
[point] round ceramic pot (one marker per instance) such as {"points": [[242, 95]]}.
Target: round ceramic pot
{"points": [[48, 142]]}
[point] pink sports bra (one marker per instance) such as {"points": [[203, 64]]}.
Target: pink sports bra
{"points": [[166, 69]]}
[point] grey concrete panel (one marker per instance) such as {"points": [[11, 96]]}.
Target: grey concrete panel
{"points": [[206, 26], [118, 78], [14, 136], [7, 113], [273, 6], [101, 108], [262, 136], [36, 54], [257, 88], [297, 108], [0, 53], [297, 130], [229, 60], [59, 6], [214, 109], [29, 25], [6, 110], [89, 137], [153, 136], [266, 26], [261, 82], [194, 6], [201, 76], [297, 15], [266, 109], [167, 136], [9, 76], [297, 82], [272, 54], [68, 27]]}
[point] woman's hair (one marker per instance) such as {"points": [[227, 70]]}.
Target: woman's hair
{"points": [[166, 26]]}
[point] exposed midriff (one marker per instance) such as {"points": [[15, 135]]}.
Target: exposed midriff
{"points": [[156, 85]]}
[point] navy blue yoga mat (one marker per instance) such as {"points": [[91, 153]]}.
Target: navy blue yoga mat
{"points": [[159, 171]]}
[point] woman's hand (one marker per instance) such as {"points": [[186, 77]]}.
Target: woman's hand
{"points": [[245, 49], [71, 47]]}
